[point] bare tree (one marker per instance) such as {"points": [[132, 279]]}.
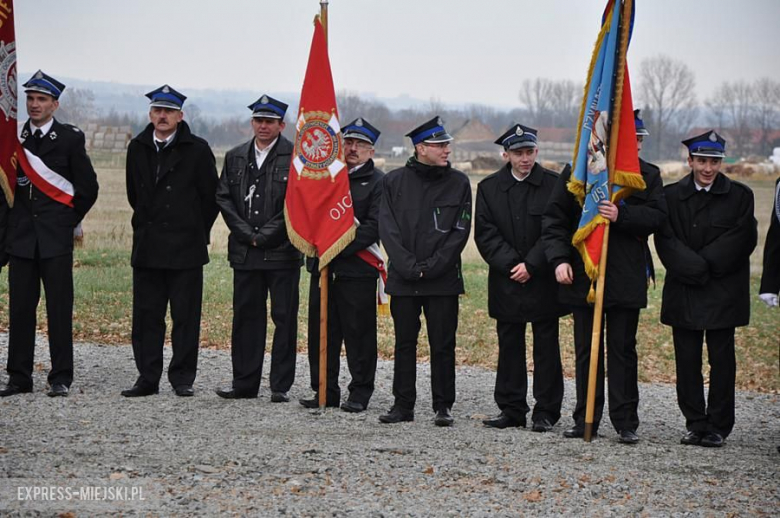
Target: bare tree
{"points": [[735, 102], [536, 98], [565, 100], [767, 111], [667, 90], [77, 106]]}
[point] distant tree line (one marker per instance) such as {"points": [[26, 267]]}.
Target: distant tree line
{"points": [[747, 114]]}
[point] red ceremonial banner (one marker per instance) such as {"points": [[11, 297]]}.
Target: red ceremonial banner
{"points": [[318, 205], [9, 141]]}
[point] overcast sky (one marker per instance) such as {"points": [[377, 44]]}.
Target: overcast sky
{"points": [[456, 51]]}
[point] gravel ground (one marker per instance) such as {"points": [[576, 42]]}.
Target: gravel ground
{"points": [[208, 456]]}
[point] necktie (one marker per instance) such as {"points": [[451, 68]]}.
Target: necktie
{"points": [[38, 134]]}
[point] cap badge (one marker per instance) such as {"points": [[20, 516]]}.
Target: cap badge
{"points": [[359, 122], [439, 121], [166, 90], [713, 138], [519, 131], [39, 75], [264, 100]]}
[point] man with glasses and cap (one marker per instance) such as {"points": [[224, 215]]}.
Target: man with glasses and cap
{"points": [[251, 195], [352, 288], [632, 220], [55, 188], [424, 223], [705, 246], [521, 283], [171, 186]]}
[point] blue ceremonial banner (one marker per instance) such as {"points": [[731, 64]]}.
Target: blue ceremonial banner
{"points": [[605, 153]]}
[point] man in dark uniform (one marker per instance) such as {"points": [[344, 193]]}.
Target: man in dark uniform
{"points": [[352, 284], [171, 186], [521, 284], [251, 195], [705, 247], [48, 205], [424, 223], [770, 278], [625, 293]]}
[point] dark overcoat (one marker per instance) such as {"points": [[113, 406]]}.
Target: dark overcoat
{"points": [[507, 235], [705, 247]]}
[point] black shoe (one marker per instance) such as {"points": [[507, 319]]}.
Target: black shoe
{"points": [[315, 403], [542, 425], [280, 397], [502, 421], [140, 391], [57, 390], [712, 440], [396, 415], [12, 390], [184, 390], [628, 437], [692, 438], [443, 418], [353, 407], [578, 432], [231, 393]]}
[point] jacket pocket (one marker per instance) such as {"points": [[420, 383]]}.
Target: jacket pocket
{"points": [[445, 215]]}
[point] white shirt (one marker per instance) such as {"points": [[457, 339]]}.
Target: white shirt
{"points": [[356, 167], [160, 142], [518, 178], [700, 188], [44, 129], [262, 154]]}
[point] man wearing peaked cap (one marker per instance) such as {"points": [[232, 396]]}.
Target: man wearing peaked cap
{"points": [[171, 185], [251, 195], [49, 203], [352, 286], [521, 283], [632, 220], [705, 247], [424, 224]]}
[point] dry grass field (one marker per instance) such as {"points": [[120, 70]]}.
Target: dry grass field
{"points": [[103, 296]]}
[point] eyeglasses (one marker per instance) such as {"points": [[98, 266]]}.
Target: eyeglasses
{"points": [[437, 145]]}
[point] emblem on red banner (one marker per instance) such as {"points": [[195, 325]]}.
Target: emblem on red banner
{"points": [[318, 146]]}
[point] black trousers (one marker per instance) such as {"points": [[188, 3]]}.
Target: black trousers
{"points": [[623, 392], [24, 287], [441, 317], [250, 292], [512, 377], [153, 290], [351, 320], [718, 415]]}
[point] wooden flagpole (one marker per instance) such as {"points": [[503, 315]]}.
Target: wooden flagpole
{"points": [[324, 276], [598, 308]]}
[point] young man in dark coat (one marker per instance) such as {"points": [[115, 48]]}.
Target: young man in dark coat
{"points": [[705, 247], [424, 223], [251, 197], [39, 237], [521, 283], [770, 278], [171, 186], [625, 293], [352, 295]]}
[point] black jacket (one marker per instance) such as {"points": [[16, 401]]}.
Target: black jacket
{"points": [[173, 216], [770, 278], [705, 246], [424, 224], [365, 186], [506, 236], [37, 221], [271, 237], [639, 215]]}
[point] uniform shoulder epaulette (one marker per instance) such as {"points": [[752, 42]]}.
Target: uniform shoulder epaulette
{"points": [[74, 128]]}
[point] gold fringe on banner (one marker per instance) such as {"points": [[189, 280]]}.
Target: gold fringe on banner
{"points": [[337, 247], [298, 242]]}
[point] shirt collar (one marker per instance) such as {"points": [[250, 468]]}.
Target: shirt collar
{"points": [[266, 149], [167, 140], [700, 188], [44, 129]]}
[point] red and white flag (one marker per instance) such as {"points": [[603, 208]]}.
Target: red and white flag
{"points": [[9, 142], [318, 205]]}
